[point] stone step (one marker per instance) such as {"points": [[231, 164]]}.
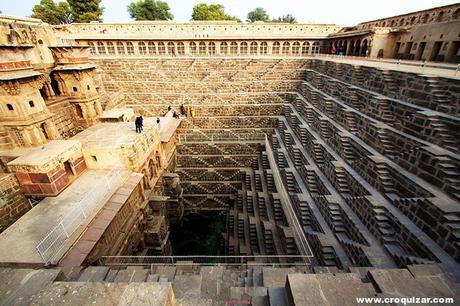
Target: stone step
{"points": [[94, 274]]}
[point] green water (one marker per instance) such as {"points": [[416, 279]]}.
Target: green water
{"points": [[198, 234]]}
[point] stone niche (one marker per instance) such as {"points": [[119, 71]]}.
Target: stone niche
{"points": [[48, 170]]}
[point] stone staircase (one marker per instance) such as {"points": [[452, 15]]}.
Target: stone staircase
{"points": [[187, 284]]}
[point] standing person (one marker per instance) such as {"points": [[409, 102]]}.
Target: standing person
{"points": [[141, 124], [137, 122], [158, 123], [341, 51], [182, 109], [334, 50]]}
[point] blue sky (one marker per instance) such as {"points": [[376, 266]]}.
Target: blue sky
{"points": [[323, 11]]}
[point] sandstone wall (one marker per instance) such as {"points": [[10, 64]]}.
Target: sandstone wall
{"points": [[13, 203]]}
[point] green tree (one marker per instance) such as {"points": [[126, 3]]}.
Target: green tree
{"points": [[286, 19], [203, 11], [86, 10], [149, 10], [52, 13], [258, 14]]}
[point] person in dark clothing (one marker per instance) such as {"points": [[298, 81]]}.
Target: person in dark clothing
{"points": [[141, 123], [137, 122], [169, 108], [182, 110]]}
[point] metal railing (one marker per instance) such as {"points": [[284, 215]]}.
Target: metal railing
{"points": [[301, 239], [208, 260], [259, 137], [449, 69], [51, 244]]}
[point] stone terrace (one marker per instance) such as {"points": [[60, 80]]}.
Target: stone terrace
{"points": [[369, 157]]}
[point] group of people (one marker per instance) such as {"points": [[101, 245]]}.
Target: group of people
{"points": [[139, 122], [184, 112]]}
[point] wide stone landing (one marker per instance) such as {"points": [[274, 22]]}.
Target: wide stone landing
{"points": [[168, 126], [18, 242]]}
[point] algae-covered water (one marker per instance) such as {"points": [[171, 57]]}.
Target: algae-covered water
{"points": [[198, 234]]}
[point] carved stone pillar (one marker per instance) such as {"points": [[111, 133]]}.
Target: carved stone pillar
{"points": [[98, 107], [34, 135], [91, 111], [52, 130]]}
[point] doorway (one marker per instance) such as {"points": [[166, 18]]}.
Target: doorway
{"points": [[68, 169], [453, 55], [435, 52], [420, 50], [43, 128]]}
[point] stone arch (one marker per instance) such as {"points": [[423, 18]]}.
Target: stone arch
{"points": [[305, 48], [193, 49], [202, 48], [357, 47], [158, 160], [244, 48], [401, 22], [425, 18], [456, 14], [101, 48], [253, 48], [142, 48], [263, 47], [145, 179], [286, 48], [315, 48], [351, 48], [152, 48], [92, 49], [364, 47], [212, 48], [296, 48], [180, 48], [161, 48], [276, 48], [79, 110], [171, 48], [223, 48], [233, 48], [152, 169], [110, 48], [130, 48], [440, 16], [121, 48]]}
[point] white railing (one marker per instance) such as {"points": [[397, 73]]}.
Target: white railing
{"points": [[51, 244], [288, 208]]}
